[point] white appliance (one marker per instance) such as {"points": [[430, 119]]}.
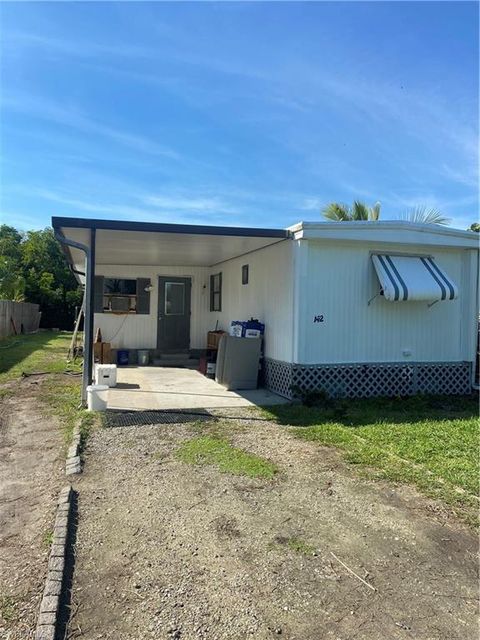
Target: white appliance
{"points": [[106, 374]]}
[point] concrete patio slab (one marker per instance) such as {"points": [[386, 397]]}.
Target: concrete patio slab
{"points": [[157, 388]]}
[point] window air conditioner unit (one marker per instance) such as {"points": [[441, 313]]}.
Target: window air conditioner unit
{"points": [[120, 303]]}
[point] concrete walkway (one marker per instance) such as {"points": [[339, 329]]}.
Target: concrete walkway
{"points": [[150, 388]]}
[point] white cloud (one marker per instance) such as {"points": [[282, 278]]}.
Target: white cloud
{"points": [[468, 177], [72, 47], [123, 211], [312, 204], [183, 203], [21, 221], [150, 208], [75, 118]]}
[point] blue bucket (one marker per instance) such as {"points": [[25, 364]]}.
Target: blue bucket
{"points": [[122, 357]]}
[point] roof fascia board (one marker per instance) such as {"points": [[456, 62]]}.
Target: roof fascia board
{"points": [[364, 225], [160, 227], [389, 232]]}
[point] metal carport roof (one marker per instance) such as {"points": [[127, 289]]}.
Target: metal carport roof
{"points": [[144, 243]]}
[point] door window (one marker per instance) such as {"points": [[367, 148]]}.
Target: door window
{"points": [[174, 298]]}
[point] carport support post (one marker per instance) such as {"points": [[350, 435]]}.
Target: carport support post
{"points": [[89, 311], [89, 308]]}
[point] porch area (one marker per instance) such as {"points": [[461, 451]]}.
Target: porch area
{"points": [[163, 288], [170, 388]]}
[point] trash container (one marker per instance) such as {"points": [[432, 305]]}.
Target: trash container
{"points": [[122, 357], [143, 357], [211, 366], [97, 397]]}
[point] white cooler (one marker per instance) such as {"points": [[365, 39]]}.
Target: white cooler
{"points": [[106, 374]]}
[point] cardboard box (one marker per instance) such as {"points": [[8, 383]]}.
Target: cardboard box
{"points": [[102, 352], [213, 339], [97, 351], [106, 353]]}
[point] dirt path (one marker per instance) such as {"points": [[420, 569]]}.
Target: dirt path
{"points": [[168, 550], [32, 460]]}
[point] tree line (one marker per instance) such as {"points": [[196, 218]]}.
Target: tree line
{"points": [[33, 268]]}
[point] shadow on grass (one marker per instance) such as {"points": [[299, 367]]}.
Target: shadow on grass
{"points": [[45, 350], [368, 411]]}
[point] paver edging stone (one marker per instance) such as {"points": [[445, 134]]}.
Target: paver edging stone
{"points": [[54, 583], [73, 464]]}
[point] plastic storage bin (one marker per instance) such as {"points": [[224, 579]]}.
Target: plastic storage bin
{"points": [[247, 328], [122, 357], [97, 397], [106, 374]]}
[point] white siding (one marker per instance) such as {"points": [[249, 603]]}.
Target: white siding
{"points": [[268, 296], [293, 281], [339, 279], [140, 332]]}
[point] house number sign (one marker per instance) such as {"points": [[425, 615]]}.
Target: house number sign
{"points": [[318, 318]]}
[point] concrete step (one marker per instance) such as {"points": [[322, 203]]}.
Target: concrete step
{"points": [[175, 356], [185, 363]]}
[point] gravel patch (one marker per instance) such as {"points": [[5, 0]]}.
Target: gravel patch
{"points": [[172, 550]]}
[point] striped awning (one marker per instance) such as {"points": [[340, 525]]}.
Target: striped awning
{"points": [[413, 278]]}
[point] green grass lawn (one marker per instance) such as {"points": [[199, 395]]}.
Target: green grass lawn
{"points": [[46, 352], [432, 442], [218, 452]]}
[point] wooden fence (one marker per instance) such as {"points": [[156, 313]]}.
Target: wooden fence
{"points": [[18, 317]]}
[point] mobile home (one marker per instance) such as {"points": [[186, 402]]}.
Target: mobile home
{"points": [[353, 308]]}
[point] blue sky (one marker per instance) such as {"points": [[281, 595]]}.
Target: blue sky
{"points": [[254, 114]]}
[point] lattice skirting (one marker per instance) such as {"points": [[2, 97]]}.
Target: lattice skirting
{"points": [[369, 380]]}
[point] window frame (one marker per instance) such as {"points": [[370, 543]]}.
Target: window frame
{"points": [[132, 297], [214, 292], [245, 273]]}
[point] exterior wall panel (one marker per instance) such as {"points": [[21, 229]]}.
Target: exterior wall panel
{"points": [[292, 282], [339, 283], [140, 331], [268, 296]]}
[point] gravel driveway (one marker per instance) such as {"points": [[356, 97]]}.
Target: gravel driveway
{"points": [[167, 549]]}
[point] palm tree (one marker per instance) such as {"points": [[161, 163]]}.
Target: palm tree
{"points": [[358, 211], [425, 215]]}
